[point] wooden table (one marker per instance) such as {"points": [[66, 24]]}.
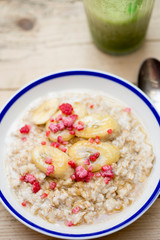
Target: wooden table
{"points": [[39, 37]]}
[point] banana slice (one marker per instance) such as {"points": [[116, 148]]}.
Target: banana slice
{"points": [[97, 125], [44, 111], [59, 161], [81, 150], [79, 109]]}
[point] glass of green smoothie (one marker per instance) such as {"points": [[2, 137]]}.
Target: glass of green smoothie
{"points": [[118, 26]]}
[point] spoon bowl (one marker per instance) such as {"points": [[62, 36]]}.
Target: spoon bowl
{"points": [[149, 80]]}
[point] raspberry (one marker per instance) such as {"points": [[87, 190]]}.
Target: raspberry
{"points": [[66, 108], [91, 140], [50, 170], [73, 177], [106, 180], [59, 139], [78, 127], [52, 185], [106, 168], [90, 168], [63, 149], [36, 187], [43, 143], [44, 195], [24, 203], [76, 210], [91, 106], [89, 176], [55, 144], [97, 154], [47, 133], [72, 132], [54, 128], [81, 172], [81, 123], [48, 160], [51, 119], [25, 129], [72, 164], [128, 110], [60, 126], [107, 172], [97, 140], [29, 178], [58, 118], [68, 121], [22, 178], [69, 223], [97, 174], [109, 131], [24, 139], [92, 158], [87, 162]]}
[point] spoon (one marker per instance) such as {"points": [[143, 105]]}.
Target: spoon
{"points": [[149, 80]]}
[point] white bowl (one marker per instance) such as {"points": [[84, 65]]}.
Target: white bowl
{"points": [[92, 80]]}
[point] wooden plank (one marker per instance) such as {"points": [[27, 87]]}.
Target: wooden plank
{"points": [[39, 37], [147, 227], [17, 73]]}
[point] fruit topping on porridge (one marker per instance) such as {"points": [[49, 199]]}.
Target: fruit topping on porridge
{"points": [[74, 161]]}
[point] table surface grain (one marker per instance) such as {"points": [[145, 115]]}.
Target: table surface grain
{"points": [[39, 37]]}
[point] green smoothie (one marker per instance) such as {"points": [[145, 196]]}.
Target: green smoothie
{"points": [[118, 26]]}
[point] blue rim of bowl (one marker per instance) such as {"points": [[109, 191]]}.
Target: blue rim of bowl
{"points": [[115, 79]]}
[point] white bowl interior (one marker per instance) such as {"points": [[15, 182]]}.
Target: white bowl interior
{"points": [[91, 83]]}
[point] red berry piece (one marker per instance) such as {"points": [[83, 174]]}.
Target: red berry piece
{"points": [[24, 203], [72, 164], [109, 131], [98, 174], [44, 195], [63, 149], [25, 129], [91, 140], [47, 133], [36, 187], [91, 106], [29, 178], [87, 162], [24, 139], [72, 132], [73, 177], [66, 108], [69, 223], [52, 185], [51, 119], [76, 210], [81, 172], [60, 126], [54, 128], [128, 110], [50, 170], [48, 160], [43, 143], [59, 139]]}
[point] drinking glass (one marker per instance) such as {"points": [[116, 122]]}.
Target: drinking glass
{"points": [[118, 26]]}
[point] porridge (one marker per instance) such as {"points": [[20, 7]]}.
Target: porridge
{"points": [[74, 157]]}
